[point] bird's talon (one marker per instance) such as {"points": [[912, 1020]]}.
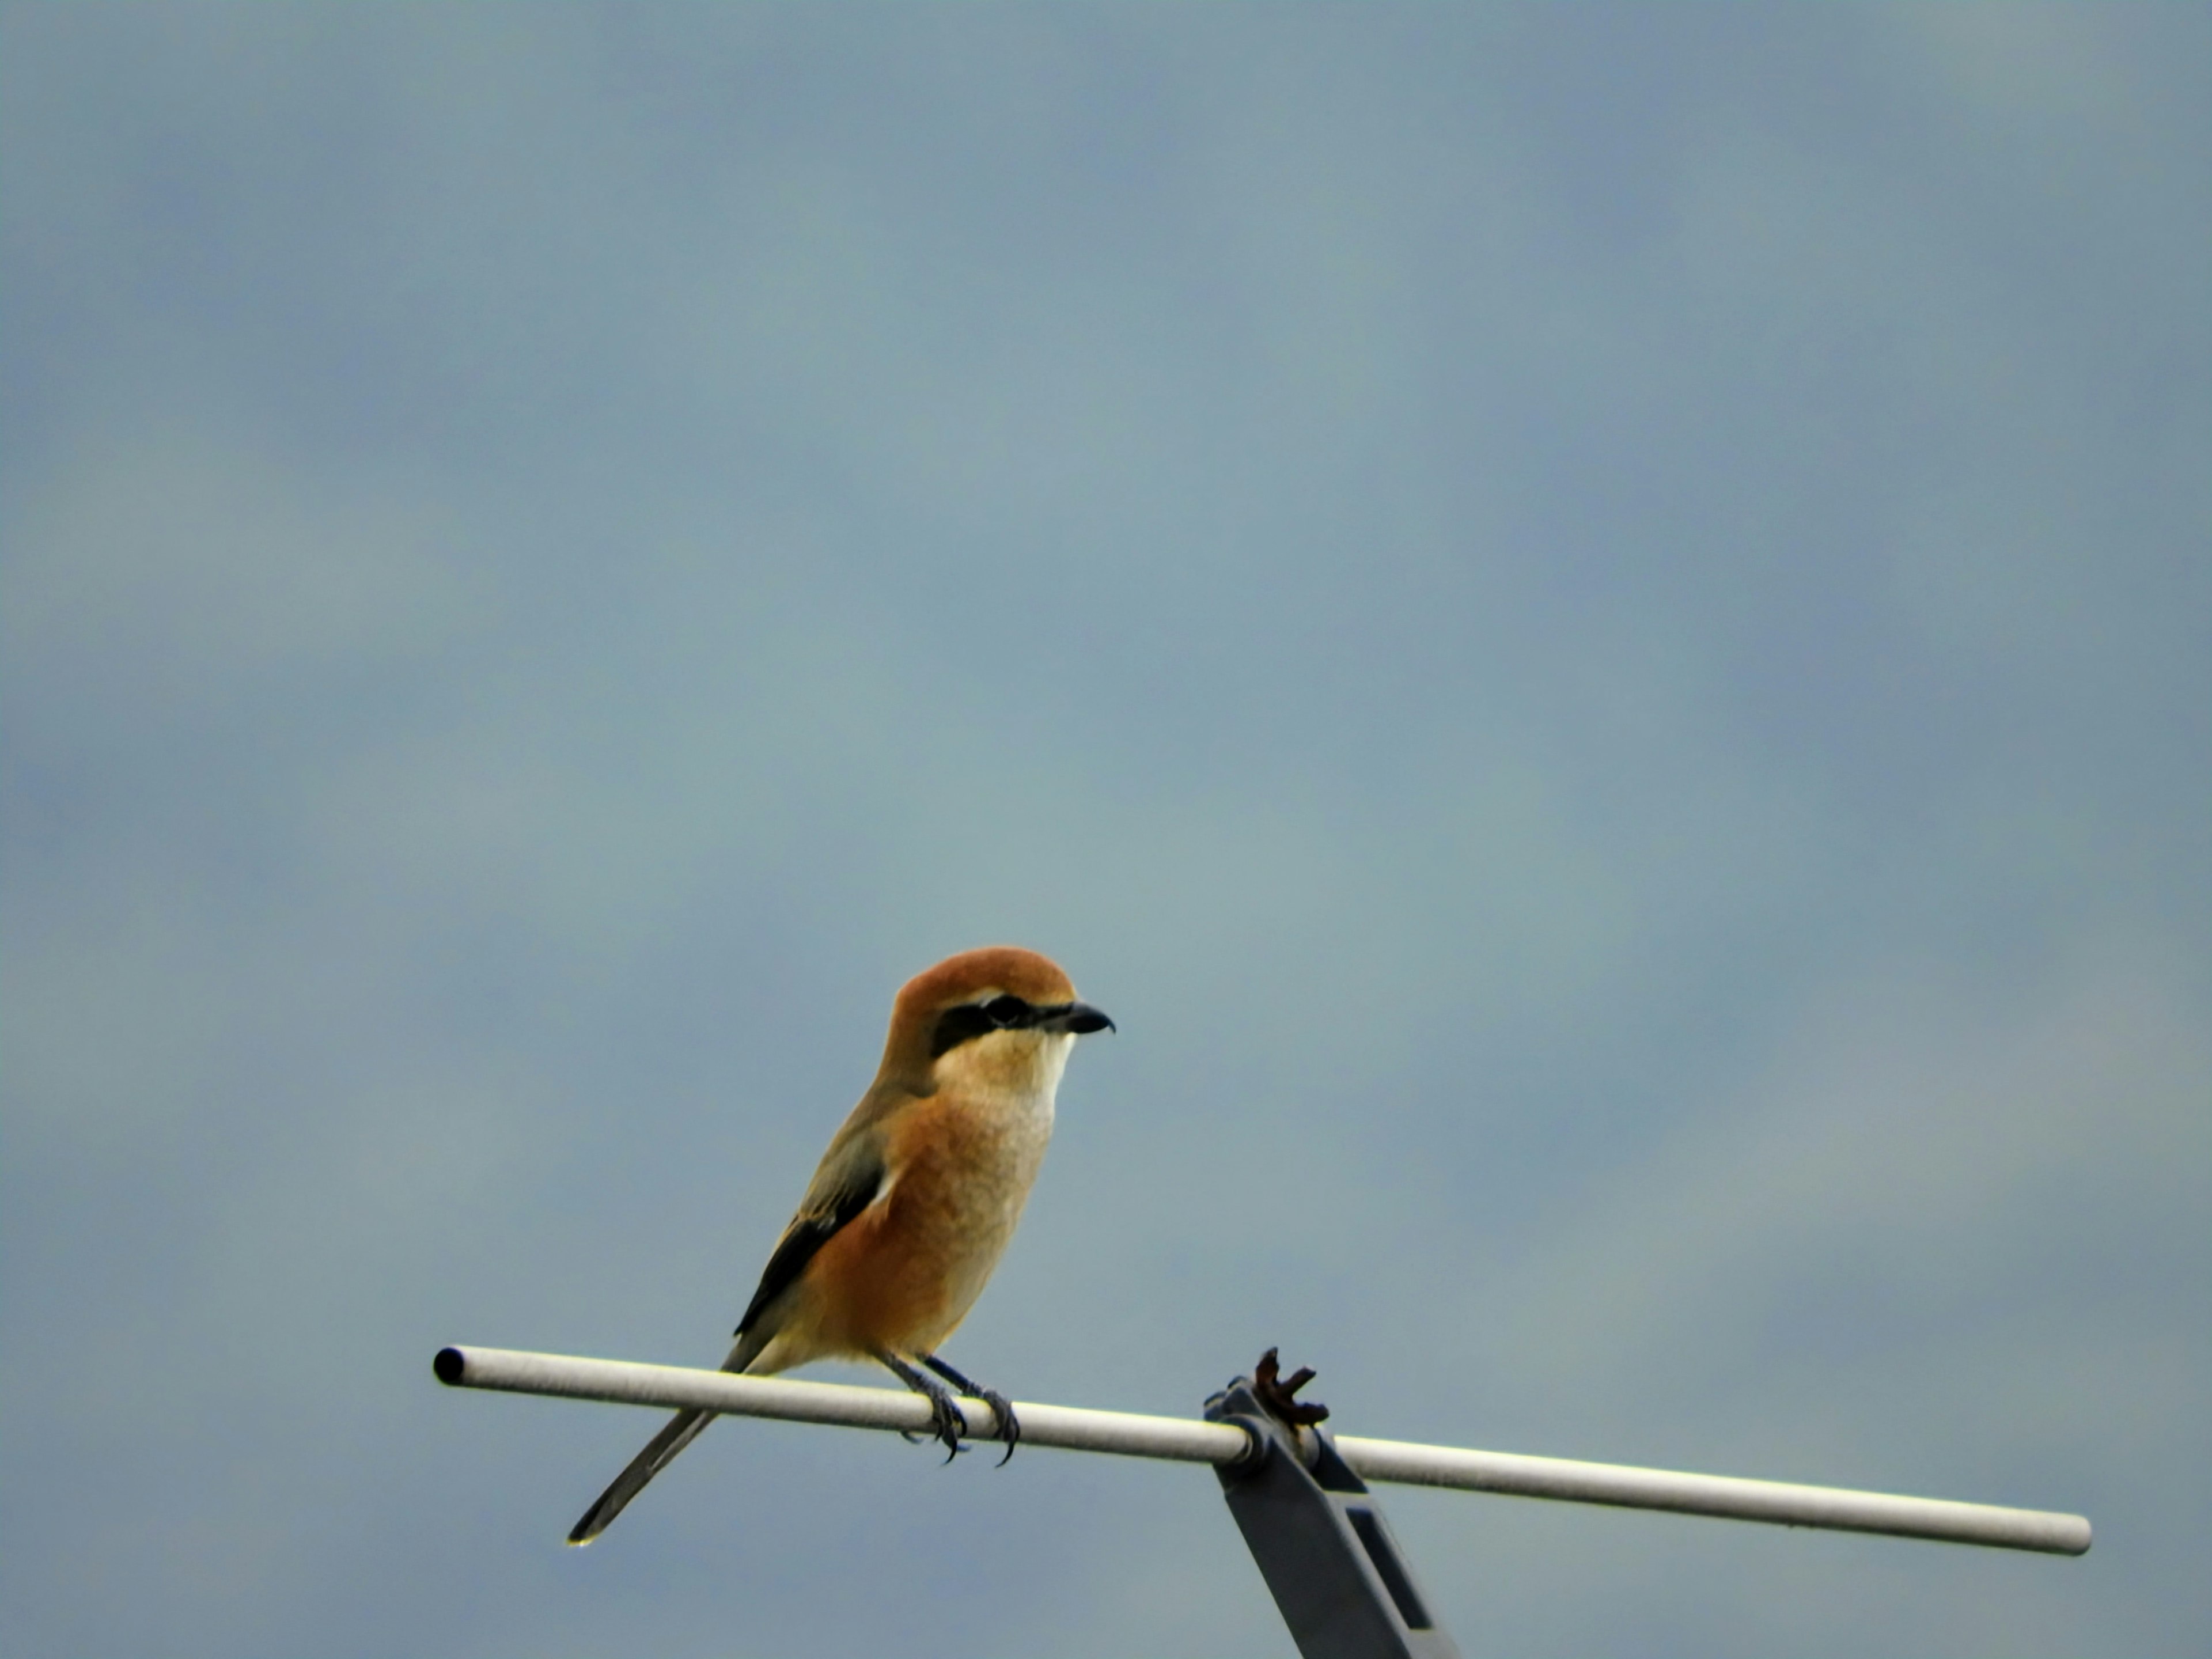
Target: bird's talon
{"points": [[1008, 1426], [949, 1424]]}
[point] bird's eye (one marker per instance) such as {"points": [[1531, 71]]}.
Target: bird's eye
{"points": [[1007, 1011]]}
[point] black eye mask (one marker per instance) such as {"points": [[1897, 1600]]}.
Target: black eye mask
{"points": [[973, 1019]]}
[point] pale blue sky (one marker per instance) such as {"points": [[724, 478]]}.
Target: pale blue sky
{"points": [[1594, 625]]}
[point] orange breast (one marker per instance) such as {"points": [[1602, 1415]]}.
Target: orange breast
{"points": [[903, 1273]]}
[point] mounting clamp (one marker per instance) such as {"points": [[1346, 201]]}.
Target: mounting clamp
{"points": [[1337, 1575]]}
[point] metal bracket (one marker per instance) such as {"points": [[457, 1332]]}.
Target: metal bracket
{"points": [[1337, 1575]]}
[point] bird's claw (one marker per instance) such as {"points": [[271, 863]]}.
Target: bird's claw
{"points": [[1005, 1425], [1009, 1426], [947, 1423]]}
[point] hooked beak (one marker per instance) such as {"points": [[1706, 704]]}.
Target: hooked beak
{"points": [[1079, 1018]]}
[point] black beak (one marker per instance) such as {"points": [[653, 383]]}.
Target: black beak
{"points": [[1079, 1017]]}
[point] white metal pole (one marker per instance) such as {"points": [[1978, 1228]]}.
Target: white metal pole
{"points": [[623, 1382], [1719, 1495], [1185, 1440]]}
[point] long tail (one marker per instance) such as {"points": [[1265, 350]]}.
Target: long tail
{"points": [[660, 1452]]}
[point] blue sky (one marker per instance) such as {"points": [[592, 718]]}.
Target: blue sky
{"points": [[1593, 625]]}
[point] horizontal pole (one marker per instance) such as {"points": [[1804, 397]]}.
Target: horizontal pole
{"points": [[1724, 1497], [1187, 1441], [623, 1382]]}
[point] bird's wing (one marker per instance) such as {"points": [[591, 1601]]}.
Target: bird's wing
{"points": [[850, 1178]]}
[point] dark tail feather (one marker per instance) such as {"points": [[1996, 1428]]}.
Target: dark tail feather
{"points": [[683, 1429]]}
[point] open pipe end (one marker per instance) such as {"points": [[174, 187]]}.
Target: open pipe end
{"points": [[449, 1365]]}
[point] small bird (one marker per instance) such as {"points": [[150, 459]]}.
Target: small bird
{"points": [[913, 1203]]}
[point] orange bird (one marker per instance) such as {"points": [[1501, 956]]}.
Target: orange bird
{"points": [[913, 1204]]}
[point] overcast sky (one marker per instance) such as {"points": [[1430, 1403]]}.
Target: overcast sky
{"points": [[1594, 626]]}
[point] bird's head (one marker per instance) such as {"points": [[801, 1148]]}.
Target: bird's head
{"points": [[998, 1017]]}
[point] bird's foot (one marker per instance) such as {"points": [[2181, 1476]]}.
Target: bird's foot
{"points": [[1009, 1426], [1006, 1426], [946, 1422]]}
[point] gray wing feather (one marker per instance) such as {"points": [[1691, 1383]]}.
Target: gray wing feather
{"points": [[840, 1192]]}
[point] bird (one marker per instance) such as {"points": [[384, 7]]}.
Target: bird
{"points": [[914, 1202]]}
